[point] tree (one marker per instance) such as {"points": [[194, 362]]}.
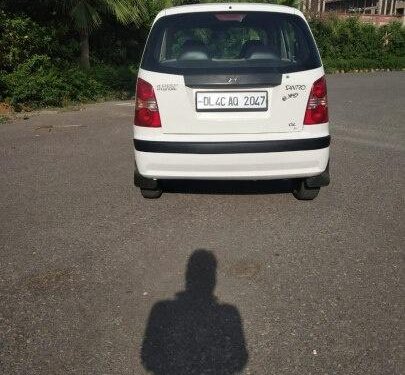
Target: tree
{"points": [[86, 16]]}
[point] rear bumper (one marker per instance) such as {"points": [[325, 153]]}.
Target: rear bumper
{"points": [[250, 147], [274, 159]]}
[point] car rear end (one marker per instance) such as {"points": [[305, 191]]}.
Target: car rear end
{"points": [[231, 92]]}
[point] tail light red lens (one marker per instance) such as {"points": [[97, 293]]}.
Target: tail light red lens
{"points": [[146, 107], [317, 108]]}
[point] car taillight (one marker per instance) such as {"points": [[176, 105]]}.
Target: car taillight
{"points": [[317, 107], [146, 107]]}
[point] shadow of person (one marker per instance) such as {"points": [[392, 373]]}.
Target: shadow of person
{"points": [[193, 334]]}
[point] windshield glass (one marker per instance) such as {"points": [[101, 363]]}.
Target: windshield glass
{"points": [[230, 42]]}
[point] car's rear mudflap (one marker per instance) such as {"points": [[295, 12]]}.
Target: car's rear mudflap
{"points": [[144, 182], [319, 181]]}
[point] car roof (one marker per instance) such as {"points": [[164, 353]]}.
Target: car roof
{"points": [[226, 7]]}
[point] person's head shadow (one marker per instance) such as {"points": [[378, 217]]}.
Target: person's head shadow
{"points": [[193, 334]]}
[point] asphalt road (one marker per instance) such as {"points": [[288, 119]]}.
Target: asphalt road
{"points": [[302, 287]]}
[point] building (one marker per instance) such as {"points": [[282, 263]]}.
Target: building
{"points": [[375, 11], [380, 7]]}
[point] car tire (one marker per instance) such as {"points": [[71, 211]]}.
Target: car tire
{"points": [[151, 194], [304, 193]]}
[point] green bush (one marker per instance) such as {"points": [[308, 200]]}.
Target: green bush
{"points": [[392, 38], [20, 38], [38, 82], [116, 78], [348, 65], [351, 44]]}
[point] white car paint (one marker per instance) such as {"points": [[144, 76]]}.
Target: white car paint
{"points": [[282, 121]]}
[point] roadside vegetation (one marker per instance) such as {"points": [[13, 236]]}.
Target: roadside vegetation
{"points": [[60, 52], [350, 45]]}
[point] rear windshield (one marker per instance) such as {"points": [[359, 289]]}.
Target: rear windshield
{"points": [[246, 42]]}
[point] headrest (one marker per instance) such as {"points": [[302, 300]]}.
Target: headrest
{"points": [[261, 52], [247, 45], [194, 50]]}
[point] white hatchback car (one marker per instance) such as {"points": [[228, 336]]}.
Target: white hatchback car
{"points": [[231, 92]]}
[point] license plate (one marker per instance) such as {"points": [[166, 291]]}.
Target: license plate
{"points": [[239, 101]]}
